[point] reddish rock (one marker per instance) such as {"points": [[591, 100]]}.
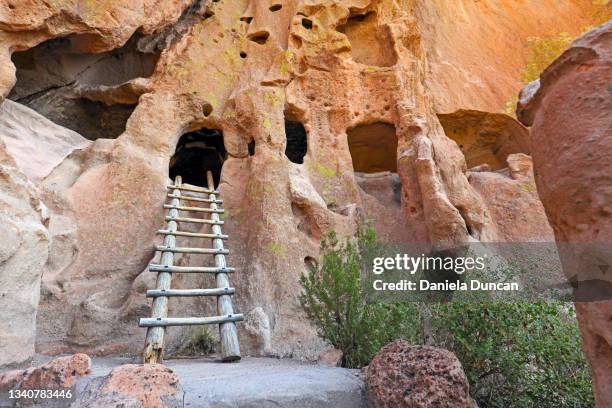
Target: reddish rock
{"points": [[512, 199], [134, 385], [406, 376], [572, 149], [331, 357], [56, 374]]}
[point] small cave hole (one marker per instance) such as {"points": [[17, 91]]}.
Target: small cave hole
{"points": [[310, 264], [307, 23], [251, 147], [246, 19], [373, 148], [260, 37], [207, 109], [276, 7], [243, 54], [196, 153], [297, 140], [12, 6], [208, 13]]}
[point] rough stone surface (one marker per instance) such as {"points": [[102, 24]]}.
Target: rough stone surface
{"points": [[254, 382], [59, 374], [402, 375], [23, 255], [331, 357], [243, 68], [134, 385], [569, 114], [36, 144], [512, 199]]}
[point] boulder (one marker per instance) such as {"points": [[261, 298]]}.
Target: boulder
{"points": [[406, 376], [133, 386], [59, 374], [569, 114]]}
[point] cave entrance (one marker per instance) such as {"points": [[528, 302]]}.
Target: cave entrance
{"points": [[373, 148], [297, 140], [56, 82], [196, 153]]}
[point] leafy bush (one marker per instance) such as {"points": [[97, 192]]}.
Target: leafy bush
{"points": [[517, 354], [514, 354], [334, 301]]}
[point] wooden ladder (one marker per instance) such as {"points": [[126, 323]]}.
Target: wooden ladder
{"points": [[226, 318]]}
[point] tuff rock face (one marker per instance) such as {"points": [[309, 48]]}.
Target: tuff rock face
{"points": [[569, 114], [406, 376], [259, 71]]}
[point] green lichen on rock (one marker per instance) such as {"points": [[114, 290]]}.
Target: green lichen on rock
{"points": [[275, 248]]}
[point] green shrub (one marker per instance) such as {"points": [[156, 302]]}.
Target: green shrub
{"points": [[517, 354], [202, 342], [334, 301]]}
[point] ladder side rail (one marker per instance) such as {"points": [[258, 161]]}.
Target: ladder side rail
{"points": [[230, 349], [154, 344]]}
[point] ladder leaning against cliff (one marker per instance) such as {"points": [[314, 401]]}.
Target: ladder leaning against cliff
{"points": [[157, 323]]}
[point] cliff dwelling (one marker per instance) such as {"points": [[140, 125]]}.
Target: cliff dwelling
{"points": [[297, 140], [373, 148], [65, 86], [196, 153]]}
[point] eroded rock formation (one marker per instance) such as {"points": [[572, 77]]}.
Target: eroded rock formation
{"points": [[569, 114], [264, 74]]}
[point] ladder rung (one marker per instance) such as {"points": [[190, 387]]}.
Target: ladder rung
{"points": [[194, 220], [190, 292], [192, 234], [189, 321], [188, 269], [195, 209], [194, 189], [200, 200], [185, 250]]}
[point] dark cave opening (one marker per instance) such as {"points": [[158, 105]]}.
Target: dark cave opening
{"points": [[196, 153], [51, 76], [297, 141], [373, 148]]}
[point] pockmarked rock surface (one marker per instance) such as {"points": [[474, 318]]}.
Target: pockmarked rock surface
{"points": [[133, 385], [60, 374], [405, 376], [255, 71], [569, 114]]}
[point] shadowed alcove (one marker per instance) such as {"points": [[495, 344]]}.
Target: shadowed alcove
{"points": [[297, 140], [52, 79], [373, 148], [196, 153]]}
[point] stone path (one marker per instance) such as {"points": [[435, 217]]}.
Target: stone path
{"points": [[256, 382]]}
